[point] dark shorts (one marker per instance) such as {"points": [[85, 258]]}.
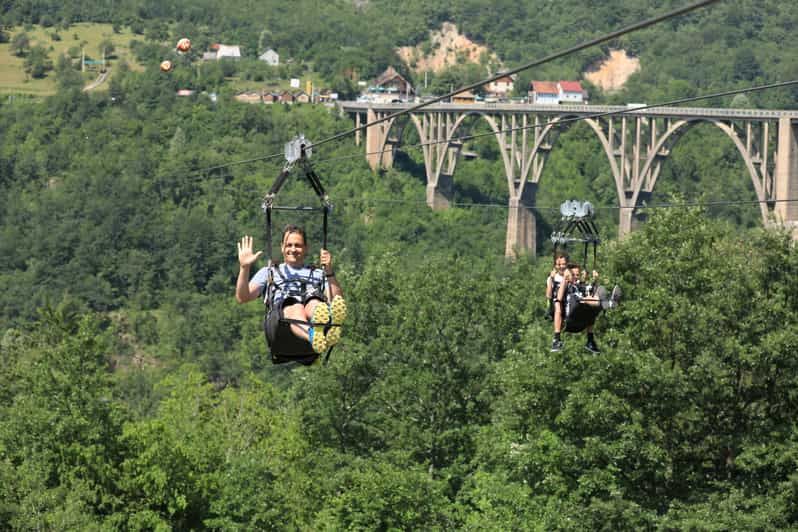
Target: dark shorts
{"points": [[580, 316], [284, 345]]}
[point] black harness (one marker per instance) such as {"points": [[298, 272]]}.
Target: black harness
{"points": [[298, 287], [578, 316]]}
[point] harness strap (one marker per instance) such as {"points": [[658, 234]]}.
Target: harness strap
{"points": [[305, 322], [278, 183], [268, 209], [314, 180], [273, 287]]}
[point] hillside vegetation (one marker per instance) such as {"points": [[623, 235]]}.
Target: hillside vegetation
{"points": [[58, 42], [730, 44], [136, 394]]}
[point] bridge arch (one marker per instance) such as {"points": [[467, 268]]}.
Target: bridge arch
{"points": [[527, 159], [679, 128], [438, 144], [604, 138]]}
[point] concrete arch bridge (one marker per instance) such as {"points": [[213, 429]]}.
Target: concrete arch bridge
{"points": [[636, 143]]}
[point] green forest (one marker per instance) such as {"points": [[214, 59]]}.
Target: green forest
{"points": [[136, 394]]}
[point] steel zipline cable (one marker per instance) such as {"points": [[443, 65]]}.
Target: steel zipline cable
{"points": [[557, 55]]}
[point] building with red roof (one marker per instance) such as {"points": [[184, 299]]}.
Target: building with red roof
{"points": [[571, 92], [544, 92], [549, 92]]}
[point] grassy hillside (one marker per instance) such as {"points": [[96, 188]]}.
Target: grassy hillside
{"points": [[13, 78]]}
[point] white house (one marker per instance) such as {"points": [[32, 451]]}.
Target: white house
{"points": [[501, 87], [544, 92], [571, 92], [226, 51], [271, 57]]}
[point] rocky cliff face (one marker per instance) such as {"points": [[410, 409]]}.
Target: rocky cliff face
{"points": [[449, 48], [613, 72]]}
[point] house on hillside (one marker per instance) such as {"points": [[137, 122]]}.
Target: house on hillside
{"points": [[388, 87], [464, 97], [326, 96], [301, 97], [249, 97], [571, 92], [544, 92], [286, 97], [222, 51], [270, 97], [501, 87], [270, 57], [228, 52]]}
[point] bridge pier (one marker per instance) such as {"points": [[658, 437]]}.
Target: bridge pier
{"points": [[373, 141], [626, 214], [377, 154], [630, 218], [440, 194], [625, 221], [521, 223], [786, 180]]}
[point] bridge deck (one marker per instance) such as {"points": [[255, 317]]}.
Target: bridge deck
{"points": [[578, 110]]}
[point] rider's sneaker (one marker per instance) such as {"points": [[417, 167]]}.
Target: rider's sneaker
{"points": [[318, 340], [615, 298], [320, 318], [592, 347], [338, 312], [603, 297], [556, 346]]}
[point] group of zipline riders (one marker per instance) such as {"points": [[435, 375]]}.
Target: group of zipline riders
{"points": [[304, 303], [575, 303], [305, 308]]}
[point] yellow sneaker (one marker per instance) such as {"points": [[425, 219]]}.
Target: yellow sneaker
{"points": [[321, 317], [338, 312]]}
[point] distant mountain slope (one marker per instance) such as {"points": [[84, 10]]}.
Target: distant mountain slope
{"points": [[729, 44]]}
